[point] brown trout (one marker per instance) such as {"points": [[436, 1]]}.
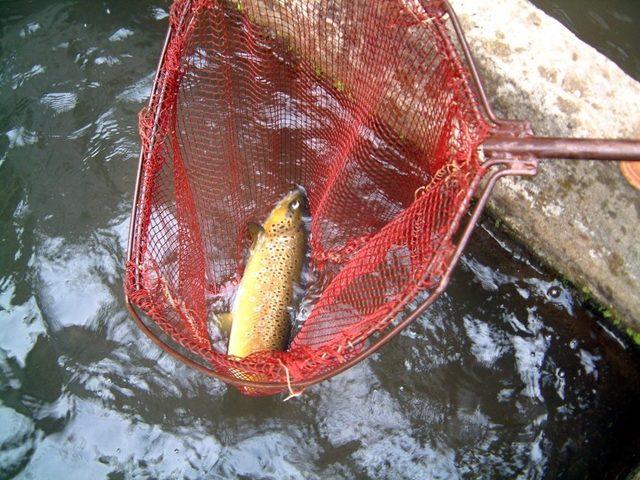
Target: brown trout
{"points": [[260, 318]]}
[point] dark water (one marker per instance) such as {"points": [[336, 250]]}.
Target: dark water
{"points": [[506, 376], [611, 26]]}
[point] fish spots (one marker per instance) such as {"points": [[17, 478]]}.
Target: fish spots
{"points": [[282, 227], [271, 274]]}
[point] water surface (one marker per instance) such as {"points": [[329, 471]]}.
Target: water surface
{"points": [[505, 376], [610, 26]]}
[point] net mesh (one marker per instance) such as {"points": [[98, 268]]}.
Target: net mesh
{"points": [[365, 104]]}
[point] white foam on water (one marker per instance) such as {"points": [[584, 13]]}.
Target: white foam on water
{"points": [[120, 34], [139, 91], [20, 78], [108, 60], [30, 28], [20, 136], [60, 102], [159, 13]]}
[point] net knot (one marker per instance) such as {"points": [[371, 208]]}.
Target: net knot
{"points": [[292, 392], [416, 16], [445, 172], [338, 255]]}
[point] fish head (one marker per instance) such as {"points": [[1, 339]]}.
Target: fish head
{"points": [[287, 216]]}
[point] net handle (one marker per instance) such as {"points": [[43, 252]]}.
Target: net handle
{"points": [[519, 142], [506, 147]]}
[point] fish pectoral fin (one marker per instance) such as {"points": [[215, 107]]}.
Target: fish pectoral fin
{"points": [[224, 322], [255, 230]]}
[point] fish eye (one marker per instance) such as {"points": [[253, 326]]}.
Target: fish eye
{"points": [[293, 206]]}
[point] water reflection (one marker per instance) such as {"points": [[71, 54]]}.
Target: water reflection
{"points": [[500, 379]]}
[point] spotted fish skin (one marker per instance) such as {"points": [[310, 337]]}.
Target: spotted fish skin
{"points": [[260, 312]]}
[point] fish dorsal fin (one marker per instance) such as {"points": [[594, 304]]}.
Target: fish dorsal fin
{"points": [[255, 230]]}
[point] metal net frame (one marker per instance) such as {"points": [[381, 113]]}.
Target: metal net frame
{"points": [[375, 108]]}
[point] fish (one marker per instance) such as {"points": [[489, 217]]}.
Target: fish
{"points": [[260, 318]]}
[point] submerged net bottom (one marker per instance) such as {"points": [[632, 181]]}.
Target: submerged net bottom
{"points": [[247, 105]]}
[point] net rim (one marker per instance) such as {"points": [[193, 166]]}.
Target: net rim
{"points": [[491, 175], [486, 173]]}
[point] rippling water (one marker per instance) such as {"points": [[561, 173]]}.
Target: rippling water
{"points": [[611, 26], [506, 375]]}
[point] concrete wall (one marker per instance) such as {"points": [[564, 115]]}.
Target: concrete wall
{"points": [[582, 218]]}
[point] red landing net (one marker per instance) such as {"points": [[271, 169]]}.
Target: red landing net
{"points": [[366, 104]]}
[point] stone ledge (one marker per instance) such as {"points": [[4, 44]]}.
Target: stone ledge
{"points": [[582, 218]]}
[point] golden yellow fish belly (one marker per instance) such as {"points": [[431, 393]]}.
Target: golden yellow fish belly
{"points": [[260, 311]]}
